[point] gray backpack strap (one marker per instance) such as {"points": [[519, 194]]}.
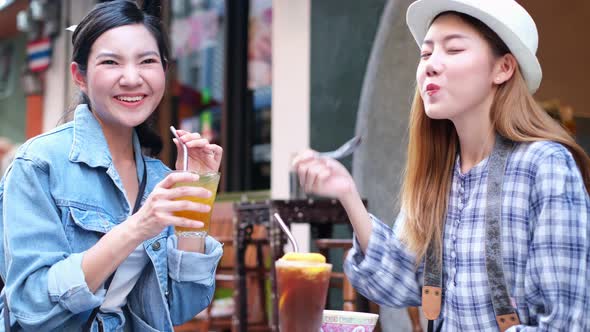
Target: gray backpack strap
{"points": [[506, 315], [432, 289]]}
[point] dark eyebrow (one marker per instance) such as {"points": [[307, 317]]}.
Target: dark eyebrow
{"points": [[447, 38], [116, 56], [153, 53], [107, 55]]}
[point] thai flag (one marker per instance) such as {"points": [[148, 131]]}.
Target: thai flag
{"points": [[39, 54]]}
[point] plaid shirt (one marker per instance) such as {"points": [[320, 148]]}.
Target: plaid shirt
{"points": [[545, 241]]}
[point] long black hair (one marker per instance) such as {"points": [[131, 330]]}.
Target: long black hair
{"points": [[112, 14]]}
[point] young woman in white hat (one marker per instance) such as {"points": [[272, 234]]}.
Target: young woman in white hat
{"points": [[494, 227]]}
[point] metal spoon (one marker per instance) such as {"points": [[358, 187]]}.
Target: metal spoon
{"points": [[345, 150], [184, 149], [287, 231]]}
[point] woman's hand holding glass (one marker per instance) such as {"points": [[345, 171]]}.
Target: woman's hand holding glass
{"points": [[323, 176], [158, 210]]}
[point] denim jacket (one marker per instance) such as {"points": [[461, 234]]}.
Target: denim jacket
{"points": [[59, 196]]}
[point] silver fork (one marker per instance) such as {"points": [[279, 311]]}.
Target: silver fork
{"points": [[343, 151]]}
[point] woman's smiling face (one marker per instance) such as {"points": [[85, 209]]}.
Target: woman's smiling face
{"points": [[125, 77]]}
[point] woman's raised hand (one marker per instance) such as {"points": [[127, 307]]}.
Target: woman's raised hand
{"points": [[202, 155], [158, 210], [322, 176]]}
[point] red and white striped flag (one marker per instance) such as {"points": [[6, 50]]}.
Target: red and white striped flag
{"points": [[39, 54]]}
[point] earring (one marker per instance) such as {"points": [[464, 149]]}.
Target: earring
{"points": [[497, 80]]}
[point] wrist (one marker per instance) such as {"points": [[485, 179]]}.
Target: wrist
{"points": [[130, 228], [350, 197]]}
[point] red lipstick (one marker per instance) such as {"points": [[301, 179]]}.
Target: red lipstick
{"points": [[432, 88]]}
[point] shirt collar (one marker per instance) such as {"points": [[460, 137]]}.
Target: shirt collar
{"points": [[474, 171], [89, 145]]}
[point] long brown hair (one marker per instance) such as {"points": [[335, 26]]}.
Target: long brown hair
{"points": [[433, 147]]}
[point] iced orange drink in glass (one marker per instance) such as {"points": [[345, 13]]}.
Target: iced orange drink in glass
{"points": [[302, 282], [209, 181]]}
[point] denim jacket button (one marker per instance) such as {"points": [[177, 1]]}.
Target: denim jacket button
{"points": [[156, 246]]}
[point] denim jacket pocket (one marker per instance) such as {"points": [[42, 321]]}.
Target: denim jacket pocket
{"points": [[92, 220], [138, 324], [85, 226]]}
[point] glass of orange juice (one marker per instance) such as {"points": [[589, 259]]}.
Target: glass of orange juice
{"points": [[209, 181]]}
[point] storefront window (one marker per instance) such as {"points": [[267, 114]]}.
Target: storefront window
{"points": [[197, 42], [198, 35]]}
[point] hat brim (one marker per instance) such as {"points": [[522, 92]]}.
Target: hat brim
{"points": [[421, 13]]}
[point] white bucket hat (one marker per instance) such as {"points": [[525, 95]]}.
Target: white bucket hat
{"points": [[505, 17]]}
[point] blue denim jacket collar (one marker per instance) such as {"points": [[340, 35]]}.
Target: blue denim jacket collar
{"points": [[89, 145]]}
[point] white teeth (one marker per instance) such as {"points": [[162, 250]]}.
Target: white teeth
{"points": [[130, 99]]}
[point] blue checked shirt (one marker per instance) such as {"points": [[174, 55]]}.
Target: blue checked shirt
{"points": [[545, 240]]}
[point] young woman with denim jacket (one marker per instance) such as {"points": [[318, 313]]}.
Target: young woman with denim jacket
{"points": [[67, 199]]}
